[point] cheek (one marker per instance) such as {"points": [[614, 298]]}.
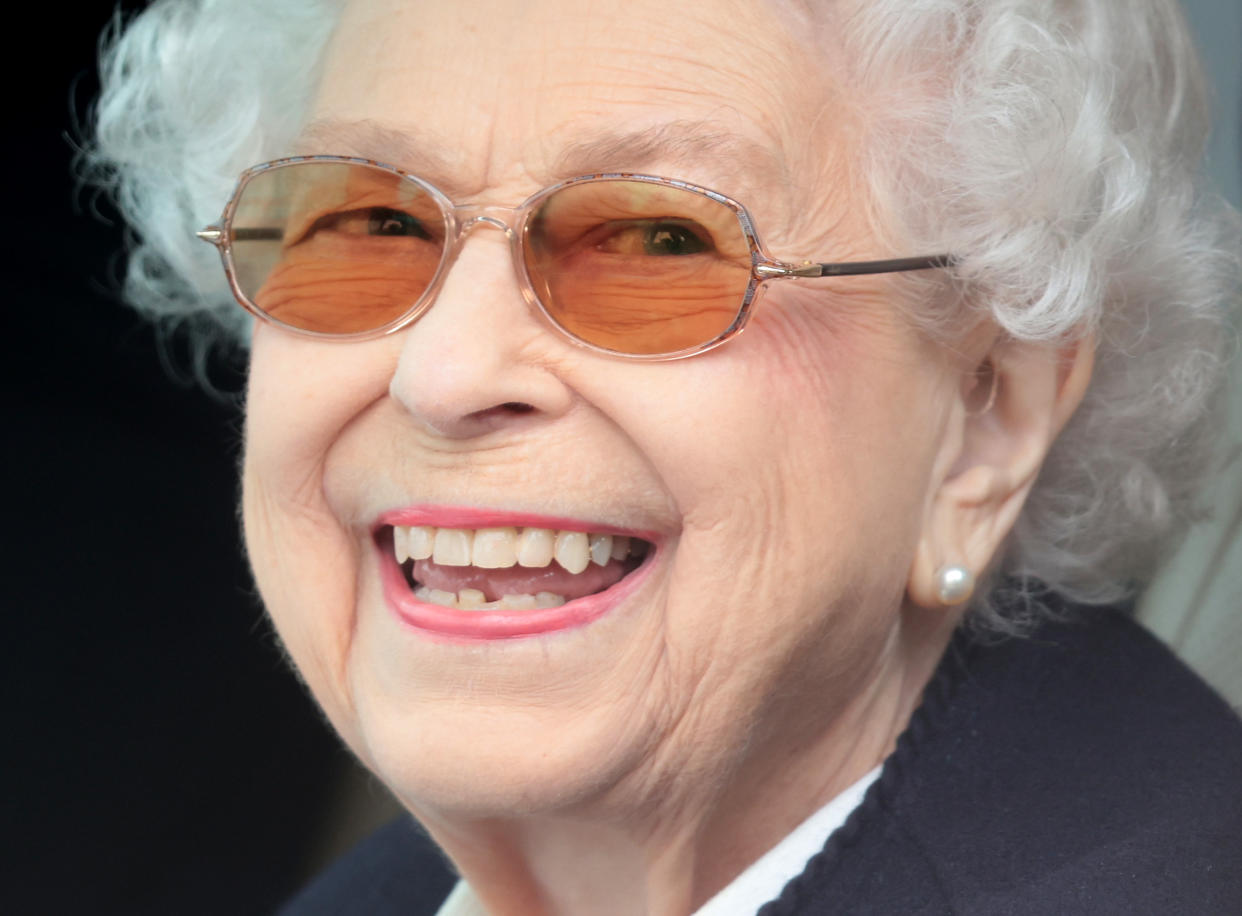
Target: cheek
{"points": [[794, 455], [305, 572], [861, 398], [863, 394], [826, 410], [302, 394], [300, 398]]}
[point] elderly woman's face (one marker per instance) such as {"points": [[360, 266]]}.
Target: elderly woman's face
{"points": [[780, 480]]}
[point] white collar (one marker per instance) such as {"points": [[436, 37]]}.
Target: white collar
{"points": [[762, 881], [767, 876]]}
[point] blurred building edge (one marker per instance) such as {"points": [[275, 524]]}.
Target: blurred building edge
{"points": [[1195, 603]]}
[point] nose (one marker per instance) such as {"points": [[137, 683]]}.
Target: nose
{"points": [[477, 360]]}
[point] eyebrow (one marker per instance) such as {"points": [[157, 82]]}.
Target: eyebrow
{"points": [[679, 142], [371, 140]]}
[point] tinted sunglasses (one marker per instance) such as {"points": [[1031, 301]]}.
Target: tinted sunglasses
{"points": [[631, 265]]}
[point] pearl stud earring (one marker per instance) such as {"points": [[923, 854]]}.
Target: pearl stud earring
{"points": [[955, 584]]}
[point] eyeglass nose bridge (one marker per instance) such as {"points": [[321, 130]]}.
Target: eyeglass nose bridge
{"points": [[470, 217], [465, 218]]}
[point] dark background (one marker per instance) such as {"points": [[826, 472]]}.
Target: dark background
{"points": [[159, 758]]}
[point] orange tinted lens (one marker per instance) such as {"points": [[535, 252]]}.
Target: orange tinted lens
{"points": [[638, 267], [334, 247]]}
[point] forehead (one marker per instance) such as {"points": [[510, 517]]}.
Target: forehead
{"points": [[521, 93]]}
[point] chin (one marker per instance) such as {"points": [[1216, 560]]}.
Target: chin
{"points": [[490, 754], [497, 727], [478, 767]]}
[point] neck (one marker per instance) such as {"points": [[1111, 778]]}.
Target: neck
{"points": [[693, 835]]}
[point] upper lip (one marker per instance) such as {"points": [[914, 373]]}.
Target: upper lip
{"points": [[474, 517]]}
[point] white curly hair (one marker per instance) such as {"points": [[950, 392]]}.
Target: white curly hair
{"points": [[1053, 145]]}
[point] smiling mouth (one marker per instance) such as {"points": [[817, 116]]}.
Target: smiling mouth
{"points": [[484, 569]]}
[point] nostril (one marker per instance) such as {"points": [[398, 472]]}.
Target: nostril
{"points": [[498, 414]]}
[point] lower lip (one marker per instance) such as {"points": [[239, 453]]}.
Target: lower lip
{"points": [[490, 625]]}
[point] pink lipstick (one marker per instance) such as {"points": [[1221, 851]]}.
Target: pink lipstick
{"points": [[503, 622]]}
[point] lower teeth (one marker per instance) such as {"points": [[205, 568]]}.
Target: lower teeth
{"points": [[469, 599]]}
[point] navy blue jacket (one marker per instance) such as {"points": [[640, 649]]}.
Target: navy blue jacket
{"points": [[1080, 770]]}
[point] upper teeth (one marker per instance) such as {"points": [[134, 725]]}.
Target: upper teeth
{"points": [[500, 548]]}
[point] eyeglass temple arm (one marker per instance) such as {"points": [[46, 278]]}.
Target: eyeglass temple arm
{"points": [[852, 268], [214, 235]]}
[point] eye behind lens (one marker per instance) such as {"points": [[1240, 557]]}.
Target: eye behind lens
{"points": [[638, 267], [676, 238], [389, 222], [335, 247]]}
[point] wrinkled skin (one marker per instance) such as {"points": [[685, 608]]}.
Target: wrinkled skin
{"points": [[803, 481]]}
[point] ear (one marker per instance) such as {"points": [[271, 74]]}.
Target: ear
{"points": [[1007, 414]]}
